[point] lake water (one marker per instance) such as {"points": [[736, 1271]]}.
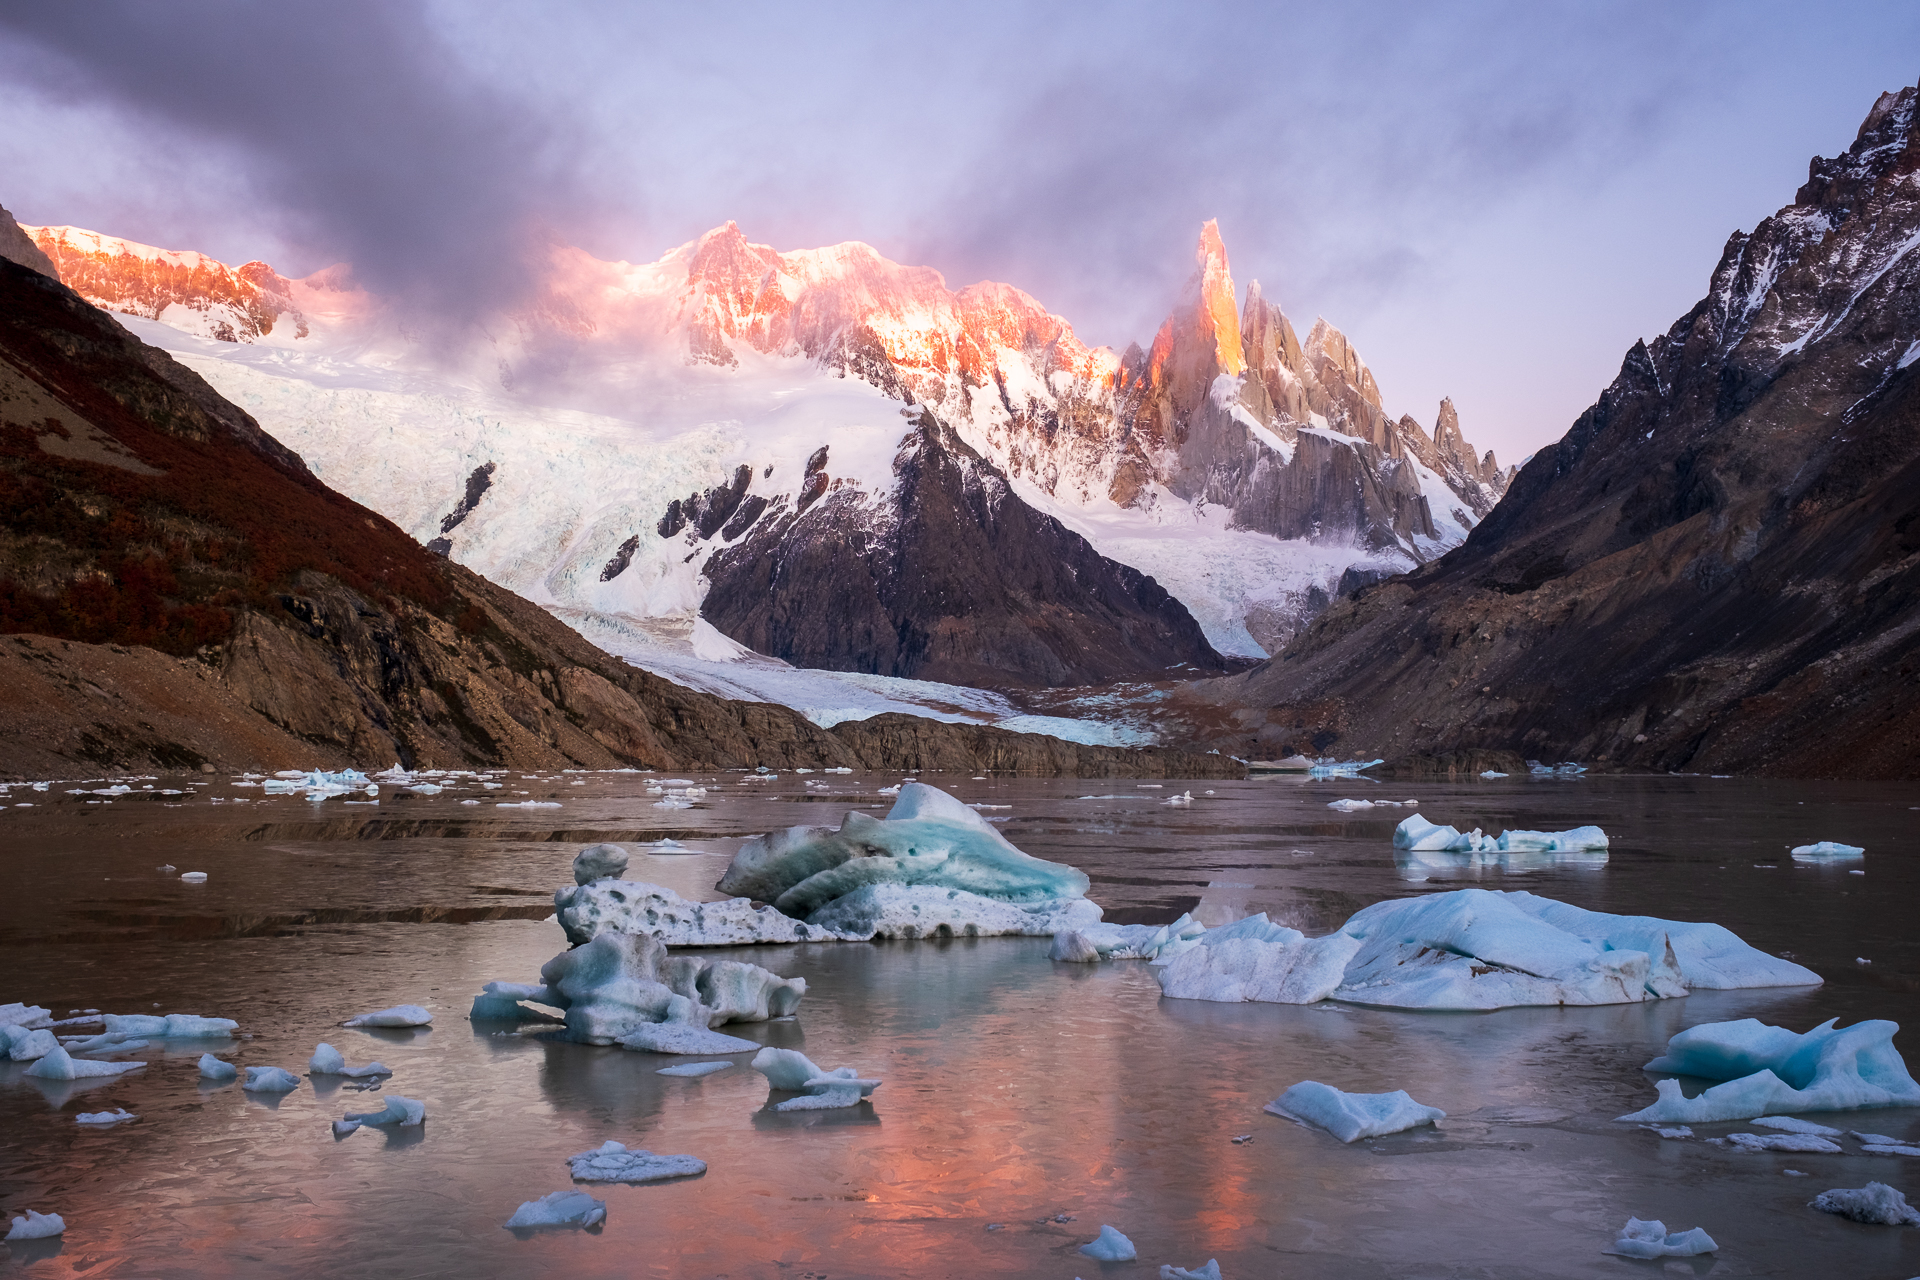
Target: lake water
{"points": [[1016, 1090]]}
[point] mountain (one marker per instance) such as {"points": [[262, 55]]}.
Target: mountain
{"points": [[1717, 569], [1251, 477], [178, 589]]}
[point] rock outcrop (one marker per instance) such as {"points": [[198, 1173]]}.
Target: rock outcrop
{"points": [[1717, 569]]}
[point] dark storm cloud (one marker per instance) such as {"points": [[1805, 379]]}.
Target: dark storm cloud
{"points": [[351, 124]]}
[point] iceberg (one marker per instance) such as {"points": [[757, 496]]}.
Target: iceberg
{"points": [[119, 1115], [398, 1111], [56, 1064], [37, 1226], [560, 1209], [329, 1061], [1348, 1116], [1416, 833], [1110, 1246], [21, 1045], [1209, 1272], [619, 982], [212, 1068], [400, 1015], [24, 1015], [1651, 1240], [1828, 851], [1769, 1069], [612, 1162], [628, 906], [1876, 1203], [791, 1071], [172, 1026], [1474, 949], [1100, 941], [270, 1080]]}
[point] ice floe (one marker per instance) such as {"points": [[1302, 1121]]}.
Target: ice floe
{"points": [[37, 1226], [1800, 1143], [193, 877], [1875, 1203], [1099, 941], [613, 1162], [270, 1080], [792, 1071], [696, 1069], [1416, 833], [1652, 1240], [397, 1111], [1475, 949], [1209, 1272], [24, 1015], [400, 1015], [119, 1115], [185, 1026], [1770, 1069], [212, 1068], [560, 1209], [56, 1064], [329, 1061], [1828, 851], [1110, 1246], [1348, 1116], [1793, 1124], [21, 1045]]}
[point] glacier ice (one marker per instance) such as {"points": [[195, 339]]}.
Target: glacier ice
{"points": [[1475, 949], [1348, 1116], [1771, 1069], [36, 1226], [173, 1025], [1209, 1272], [118, 1115], [792, 1071], [501, 1002], [614, 985], [21, 1045], [270, 1080], [1110, 1246], [397, 1111], [696, 1069], [55, 1064], [1876, 1203], [1651, 1240], [212, 1068], [599, 862], [329, 1061], [627, 906], [1330, 768], [613, 1162], [559, 1209], [1417, 833], [1828, 851], [23, 1015], [400, 1015]]}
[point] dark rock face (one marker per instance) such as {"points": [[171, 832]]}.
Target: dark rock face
{"points": [[1717, 569], [951, 577]]}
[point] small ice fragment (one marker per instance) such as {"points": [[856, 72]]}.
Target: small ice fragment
{"points": [[1794, 1173], [1890, 1149], [1677, 1131], [1861, 960], [193, 877], [1111, 1246], [37, 1226], [1793, 1124], [1239, 1139], [341, 1128], [1492, 773], [55, 1064], [22, 1045], [1348, 1116], [329, 1061], [1804, 1143], [1875, 1139], [1073, 947], [1209, 1272], [789, 1069], [1650, 1240], [117, 1116], [167, 867], [400, 1015], [613, 1162], [212, 1068], [1179, 801], [1828, 850], [827, 1099], [1876, 1203], [399, 1110], [186, 1026], [270, 1080], [693, 1069], [560, 1209]]}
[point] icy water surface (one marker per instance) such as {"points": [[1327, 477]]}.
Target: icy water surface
{"points": [[1016, 1090]]}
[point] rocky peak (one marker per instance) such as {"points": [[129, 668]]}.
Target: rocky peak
{"points": [[17, 246]]}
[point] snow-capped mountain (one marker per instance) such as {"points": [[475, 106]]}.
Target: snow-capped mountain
{"points": [[641, 440]]}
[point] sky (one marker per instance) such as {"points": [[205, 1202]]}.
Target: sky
{"points": [[1493, 200]]}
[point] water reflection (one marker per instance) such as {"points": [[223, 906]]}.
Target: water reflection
{"points": [[1419, 865]]}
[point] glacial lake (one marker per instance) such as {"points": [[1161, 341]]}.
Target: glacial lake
{"points": [[1016, 1091]]}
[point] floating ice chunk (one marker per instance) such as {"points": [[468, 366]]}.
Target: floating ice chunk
{"points": [[193, 877], [1677, 1131], [1793, 1124], [37, 1226], [612, 1162], [118, 1115], [270, 1080], [793, 1071], [329, 1061], [561, 1209], [825, 1100], [501, 1002], [212, 1068], [1329, 768], [172, 1026], [627, 906], [1418, 833], [1890, 1149], [1876, 1203], [678, 1037], [1828, 851], [1771, 1069], [398, 1111], [1651, 1240], [23, 1015], [1802, 1143], [56, 1064], [400, 1015], [21, 1045], [1492, 773], [1209, 1272], [1871, 1139], [619, 982], [1182, 800], [1157, 943], [1348, 1116], [529, 804], [1074, 947], [1111, 1246], [930, 911], [599, 862], [697, 1068]]}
